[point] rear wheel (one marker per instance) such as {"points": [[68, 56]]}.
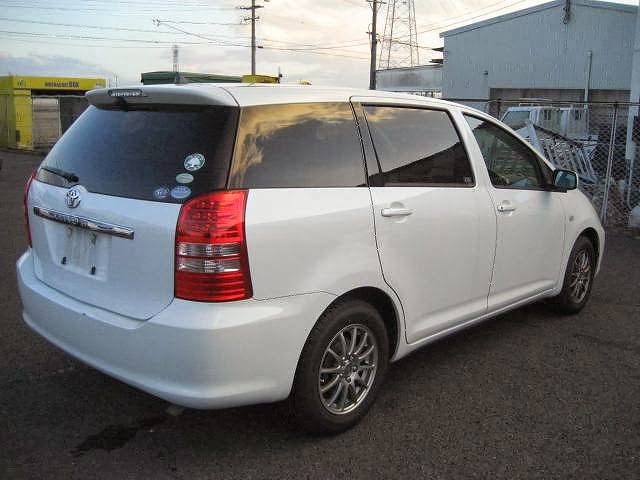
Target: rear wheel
{"points": [[341, 368], [578, 278]]}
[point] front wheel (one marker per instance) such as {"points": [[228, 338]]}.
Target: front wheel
{"points": [[578, 278], [341, 368]]}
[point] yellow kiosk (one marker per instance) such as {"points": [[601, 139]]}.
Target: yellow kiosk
{"points": [[35, 111]]}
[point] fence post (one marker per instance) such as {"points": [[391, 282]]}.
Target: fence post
{"points": [[632, 160], [607, 180]]}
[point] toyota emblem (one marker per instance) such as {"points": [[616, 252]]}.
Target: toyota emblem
{"points": [[73, 198]]}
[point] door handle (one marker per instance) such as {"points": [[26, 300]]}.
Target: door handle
{"points": [[396, 212], [506, 207]]}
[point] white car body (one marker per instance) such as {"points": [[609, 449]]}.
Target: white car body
{"points": [[454, 262]]}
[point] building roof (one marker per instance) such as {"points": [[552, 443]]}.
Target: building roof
{"points": [[538, 8], [160, 77], [252, 94], [428, 66]]}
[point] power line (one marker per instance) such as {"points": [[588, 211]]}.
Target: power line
{"points": [[198, 23], [167, 42], [288, 49], [161, 22], [98, 27], [108, 5], [296, 47], [313, 52], [89, 37], [346, 43], [84, 44], [102, 10], [215, 37], [355, 3], [146, 4], [447, 22], [270, 47]]}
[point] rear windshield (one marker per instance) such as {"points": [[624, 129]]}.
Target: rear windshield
{"points": [[158, 153]]}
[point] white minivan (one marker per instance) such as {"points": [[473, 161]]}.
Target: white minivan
{"points": [[225, 245]]}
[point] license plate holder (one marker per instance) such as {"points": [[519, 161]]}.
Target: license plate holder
{"points": [[85, 252]]}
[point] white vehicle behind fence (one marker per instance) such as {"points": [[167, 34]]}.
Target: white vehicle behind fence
{"points": [[559, 133], [570, 122]]}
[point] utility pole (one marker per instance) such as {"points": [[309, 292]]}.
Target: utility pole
{"points": [[374, 45], [253, 8], [176, 67]]}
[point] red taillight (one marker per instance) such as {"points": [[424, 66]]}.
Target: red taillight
{"points": [[25, 198], [211, 250]]}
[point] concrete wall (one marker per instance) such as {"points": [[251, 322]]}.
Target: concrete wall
{"points": [[566, 95], [425, 78], [533, 48]]}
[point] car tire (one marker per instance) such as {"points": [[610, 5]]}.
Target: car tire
{"points": [[341, 368], [578, 278]]}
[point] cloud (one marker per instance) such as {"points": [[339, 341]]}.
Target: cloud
{"points": [[51, 65], [338, 29]]}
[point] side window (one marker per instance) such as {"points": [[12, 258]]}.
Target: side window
{"points": [[418, 146], [509, 162], [297, 145]]}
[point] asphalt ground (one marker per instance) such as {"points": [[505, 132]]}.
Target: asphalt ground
{"points": [[529, 394]]}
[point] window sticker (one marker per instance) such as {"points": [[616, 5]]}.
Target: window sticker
{"points": [[194, 162], [161, 193], [180, 192], [184, 178]]}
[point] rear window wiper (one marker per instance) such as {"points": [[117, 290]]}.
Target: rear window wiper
{"points": [[68, 176]]}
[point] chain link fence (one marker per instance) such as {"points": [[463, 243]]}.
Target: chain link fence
{"points": [[597, 140]]}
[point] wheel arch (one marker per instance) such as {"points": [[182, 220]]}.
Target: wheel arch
{"points": [[389, 310], [591, 234], [595, 238]]}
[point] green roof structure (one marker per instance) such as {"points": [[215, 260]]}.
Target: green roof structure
{"points": [[163, 77]]}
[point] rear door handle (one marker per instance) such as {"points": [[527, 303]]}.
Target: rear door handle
{"points": [[396, 212], [506, 207]]}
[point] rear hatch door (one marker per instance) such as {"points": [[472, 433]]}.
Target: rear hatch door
{"points": [[104, 206]]}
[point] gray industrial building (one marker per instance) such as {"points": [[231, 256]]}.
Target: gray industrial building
{"points": [[569, 70], [562, 50]]}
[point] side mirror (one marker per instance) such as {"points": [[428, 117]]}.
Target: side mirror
{"points": [[565, 179]]}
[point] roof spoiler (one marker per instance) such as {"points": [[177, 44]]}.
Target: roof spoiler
{"points": [[160, 94]]}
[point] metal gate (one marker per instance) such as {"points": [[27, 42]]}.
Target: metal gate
{"points": [[45, 121]]}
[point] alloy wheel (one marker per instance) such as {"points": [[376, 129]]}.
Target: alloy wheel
{"points": [[580, 276], [348, 369]]}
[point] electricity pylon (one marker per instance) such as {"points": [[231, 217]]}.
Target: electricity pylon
{"points": [[400, 39]]}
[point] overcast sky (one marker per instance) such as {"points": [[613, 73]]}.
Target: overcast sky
{"points": [[323, 41]]}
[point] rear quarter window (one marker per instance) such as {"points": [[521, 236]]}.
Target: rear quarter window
{"points": [[297, 145], [159, 153], [418, 146]]}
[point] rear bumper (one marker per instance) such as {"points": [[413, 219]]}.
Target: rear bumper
{"points": [[200, 355]]}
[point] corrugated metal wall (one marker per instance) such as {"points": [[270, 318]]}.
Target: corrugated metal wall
{"points": [[538, 50]]}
